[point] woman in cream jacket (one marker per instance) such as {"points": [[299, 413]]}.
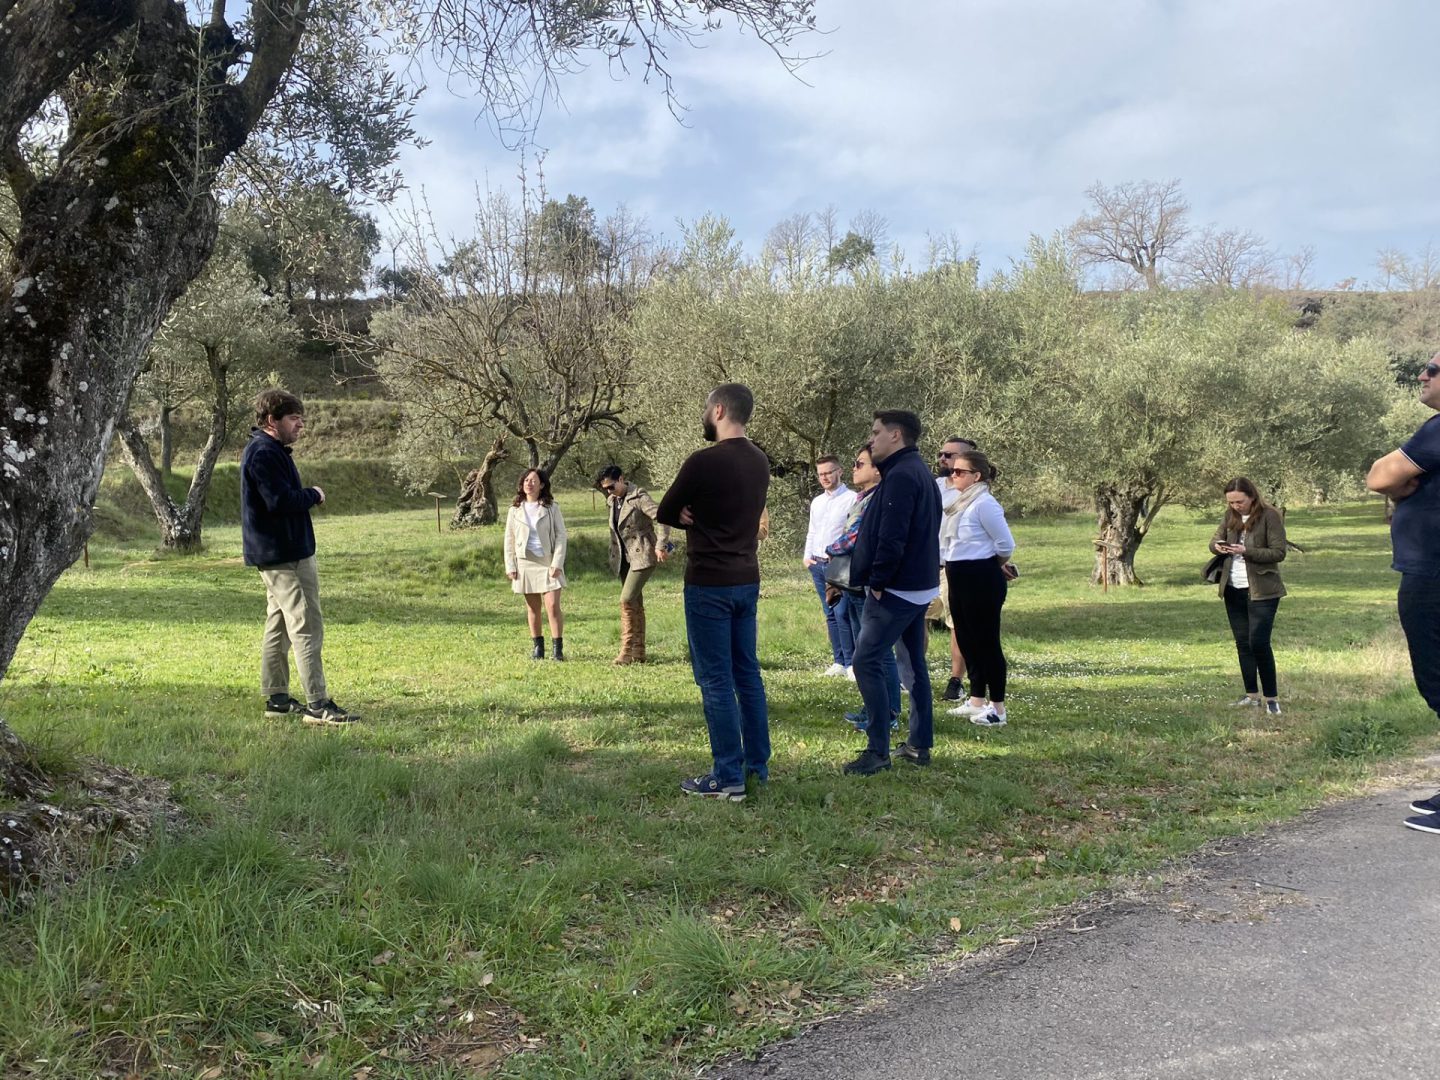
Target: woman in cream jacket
{"points": [[535, 558]]}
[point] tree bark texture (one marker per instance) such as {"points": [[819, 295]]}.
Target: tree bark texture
{"points": [[1122, 522], [476, 504], [106, 244]]}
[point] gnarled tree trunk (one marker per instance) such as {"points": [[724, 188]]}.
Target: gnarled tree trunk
{"points": [[106, 244], [476, 504], [1124, 517], [181, 524]]}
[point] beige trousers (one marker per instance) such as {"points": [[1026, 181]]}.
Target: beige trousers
{"points": [[293, 620]]}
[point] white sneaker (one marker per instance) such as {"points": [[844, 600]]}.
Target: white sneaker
{"points": [[833, 670], [850, 673], [967, 710], [989, 718]]}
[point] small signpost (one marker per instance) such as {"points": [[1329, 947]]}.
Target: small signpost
{"points": [[437, 497]]}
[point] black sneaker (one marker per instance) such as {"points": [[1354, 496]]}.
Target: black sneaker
{"points": [[1272, 707], [1424, 823], [328, 713], [953, 689], [710, 788], [283, 705], [1427, 806], [867, 764], [914, 754]]}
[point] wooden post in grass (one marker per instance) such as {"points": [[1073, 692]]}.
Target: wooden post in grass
{"points": [[438, 497]]}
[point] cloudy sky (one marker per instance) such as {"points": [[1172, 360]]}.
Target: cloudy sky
{"points": [[1308, 123]]}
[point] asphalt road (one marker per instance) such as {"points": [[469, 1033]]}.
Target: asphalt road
{"points": [[1312, 950]]}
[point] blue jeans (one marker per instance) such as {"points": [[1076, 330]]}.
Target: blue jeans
{"points": [[1419, 603], [883, 624], [720, 626], [855, 605], [837, 624]]}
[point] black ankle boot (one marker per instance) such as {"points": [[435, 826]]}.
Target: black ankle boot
{"points": [[538, 651], [559, 648]]}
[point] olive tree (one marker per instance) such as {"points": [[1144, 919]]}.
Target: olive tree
{"points": [[152, 102], [216, 343]]}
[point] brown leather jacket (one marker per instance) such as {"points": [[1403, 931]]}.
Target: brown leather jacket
{"points": [[1264, 551], [636, 529]]}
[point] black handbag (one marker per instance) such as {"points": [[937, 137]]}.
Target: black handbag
{"points": [[1214, 569], [837, 571]]}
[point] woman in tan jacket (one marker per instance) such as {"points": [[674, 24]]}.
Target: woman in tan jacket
{"points": [[535, 543], [634, 553], [1251, 537]]}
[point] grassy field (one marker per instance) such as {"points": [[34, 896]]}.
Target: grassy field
{"points": [[497, 869]]}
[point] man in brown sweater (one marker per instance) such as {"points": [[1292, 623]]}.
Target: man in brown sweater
{"points": [[717, 498]]}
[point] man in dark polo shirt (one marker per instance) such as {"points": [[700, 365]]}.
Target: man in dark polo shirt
{"points": [[717, 498], [1411, 476]]}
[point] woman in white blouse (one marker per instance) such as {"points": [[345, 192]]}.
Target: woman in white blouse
{"points": [[976, 544], [535, 558]]}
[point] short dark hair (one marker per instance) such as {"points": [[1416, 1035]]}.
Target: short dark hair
{"points": [[737, 399], [826, 459], [609, 472], [272, 403], [971, 443], [906, 421], [545, 497]]}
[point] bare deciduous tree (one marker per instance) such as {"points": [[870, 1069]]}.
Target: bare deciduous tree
{"points": [[1226, 259], [1139, 225], [1400, 270]]}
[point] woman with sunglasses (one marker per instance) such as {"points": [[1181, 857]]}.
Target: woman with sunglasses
{"points": [[634, 553], [976, 544], [866, 478], [1251, 537]]}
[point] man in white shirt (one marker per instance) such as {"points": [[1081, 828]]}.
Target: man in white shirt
{"points": [[827, 520]]}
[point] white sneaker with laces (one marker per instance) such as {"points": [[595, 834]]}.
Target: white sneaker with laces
{"points": [[850, 673], [833, 670], [967, 710], [989, 718]]}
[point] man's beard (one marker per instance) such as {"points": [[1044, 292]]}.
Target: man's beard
{"points": [[707, 427]]}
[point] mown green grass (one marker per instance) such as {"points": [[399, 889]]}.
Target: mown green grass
{"points": [[501, 852]]}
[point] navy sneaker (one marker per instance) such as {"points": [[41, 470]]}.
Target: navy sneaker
{"points": [[1272, 707], [1427, 806], [1424, 823], [283, 705], [989, 718], [857, 718], [867, 764], [861, 722], [329, 714], [710, 788]]}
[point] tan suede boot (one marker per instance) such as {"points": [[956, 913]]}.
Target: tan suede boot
{"points": [[627, 635], [637, 637]]}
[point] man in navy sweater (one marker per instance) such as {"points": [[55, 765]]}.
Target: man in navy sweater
{"points": [[897, 557], [278, 539]]}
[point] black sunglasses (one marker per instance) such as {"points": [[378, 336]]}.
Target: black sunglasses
{"points": [[607, 488], [857, 464], [1431, 369]]}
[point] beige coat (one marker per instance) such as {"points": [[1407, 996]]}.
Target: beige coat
{"points": [[1264, 551], [636, 529], [549, 526]]}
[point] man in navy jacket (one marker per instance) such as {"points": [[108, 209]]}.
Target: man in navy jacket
{"points": [[278, 539], [897, 558]]}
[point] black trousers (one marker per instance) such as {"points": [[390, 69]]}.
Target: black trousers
{"points": [[1420, 618], [977, 593], [1251, 622]]}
